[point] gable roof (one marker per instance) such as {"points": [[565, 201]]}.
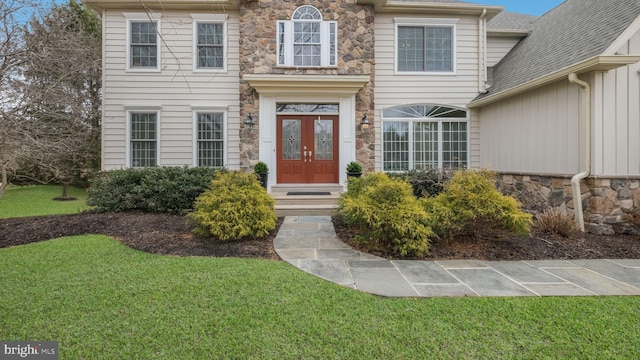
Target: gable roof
{"points": [[574, 31], [507, 20]]}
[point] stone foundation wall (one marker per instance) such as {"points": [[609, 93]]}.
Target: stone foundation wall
{"points": [[603, 199], [258, 55]]}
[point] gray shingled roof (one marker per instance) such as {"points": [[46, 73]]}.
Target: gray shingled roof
{"points": [[574, 31], [511, 21]]}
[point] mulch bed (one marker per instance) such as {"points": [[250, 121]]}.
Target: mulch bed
{"points": [[172, 235]]}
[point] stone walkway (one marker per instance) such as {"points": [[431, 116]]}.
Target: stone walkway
{"points": [[310, 244]]}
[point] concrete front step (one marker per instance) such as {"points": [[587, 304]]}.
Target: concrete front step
{"points": [[300, 205]]}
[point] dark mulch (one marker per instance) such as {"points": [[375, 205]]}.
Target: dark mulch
{"points": [[172, 235], [154, 233]]}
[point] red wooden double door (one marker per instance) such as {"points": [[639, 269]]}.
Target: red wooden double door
{"points": [[307, 149]]}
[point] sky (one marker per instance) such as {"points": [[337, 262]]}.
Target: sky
{"points": [[531, 7]]}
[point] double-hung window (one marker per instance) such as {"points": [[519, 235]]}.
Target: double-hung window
{"points": [[143, 138], [209, 131], [143, 42], [425, 45], [306, 40], [424, 136], [210, 39]]}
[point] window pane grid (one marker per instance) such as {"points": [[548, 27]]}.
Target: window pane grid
{"points": [[144, 50], [425, 48], [143, 139], [210, 45], [210, 139], [425, 145], [454, 144], [395, 146]]}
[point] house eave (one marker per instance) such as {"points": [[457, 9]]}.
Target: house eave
{"points": [[425, 7], [506, 33], [99, 5], [345, 85], [596, 63]]}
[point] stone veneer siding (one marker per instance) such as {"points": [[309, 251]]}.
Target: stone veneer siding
{"points": [[602, 198], [258, 55]]}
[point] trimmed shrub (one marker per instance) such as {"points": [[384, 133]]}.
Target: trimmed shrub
{"points": [[236, 206], [471, 198], [555, 221], [387, 213], [155, 189], [426, 182]]}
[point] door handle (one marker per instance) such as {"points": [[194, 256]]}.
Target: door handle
{"points": [[305, 156], [310, 155]]}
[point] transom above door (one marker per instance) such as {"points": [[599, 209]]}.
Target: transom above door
{"points": [[307, 149]]}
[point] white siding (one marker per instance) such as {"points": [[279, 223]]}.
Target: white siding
{"points": [[616, 107], [536, 132], [175, 89], [498, 47], [393, 89]]}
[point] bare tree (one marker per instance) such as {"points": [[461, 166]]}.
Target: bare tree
{"points": [[11, 55], [61, 85]]}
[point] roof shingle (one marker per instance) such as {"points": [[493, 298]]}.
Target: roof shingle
{"points": [[574, 31]]}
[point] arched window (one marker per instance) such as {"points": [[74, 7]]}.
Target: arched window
{"points": [[424, 136], [306, 40]]}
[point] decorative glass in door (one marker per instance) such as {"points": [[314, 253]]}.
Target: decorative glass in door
{"points": [[291, 139], [323, 139]]}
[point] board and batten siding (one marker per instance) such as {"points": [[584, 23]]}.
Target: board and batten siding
{"points": [[616, 113], [393, 89], [536, 132], [176, 90], [498, 47]]}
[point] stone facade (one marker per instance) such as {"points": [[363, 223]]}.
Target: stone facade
{"points": [[258, 55], [603, 200]]}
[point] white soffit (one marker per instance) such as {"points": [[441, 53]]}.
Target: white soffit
{"points": [[307, 84]]}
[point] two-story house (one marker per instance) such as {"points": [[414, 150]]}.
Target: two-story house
{"points": [[309, 86]]}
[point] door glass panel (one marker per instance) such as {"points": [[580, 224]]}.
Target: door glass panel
{"points": [[323, 139], [291, 130]]}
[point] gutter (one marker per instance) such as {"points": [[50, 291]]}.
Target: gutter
{"points": [[585, 162], [482, 52]]}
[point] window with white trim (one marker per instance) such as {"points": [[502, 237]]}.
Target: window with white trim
{"points": [[424, 136], [143, 42], [306, 40], [209, 128], [143, 139], [209, 39], [425, 46]]}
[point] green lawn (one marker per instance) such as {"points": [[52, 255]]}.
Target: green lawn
{"points": [[35, 200], [102, 300]]}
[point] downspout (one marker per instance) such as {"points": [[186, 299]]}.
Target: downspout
{"points": [[482, 52], [585, 162]]}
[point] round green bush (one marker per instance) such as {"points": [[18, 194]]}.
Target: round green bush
{"points": [[235, 206]]}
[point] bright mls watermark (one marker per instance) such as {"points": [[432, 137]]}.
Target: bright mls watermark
{"points": [[32, 350]]}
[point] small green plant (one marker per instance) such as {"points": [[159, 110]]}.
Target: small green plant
{"points": [[555, 221], [234, 207], [354, 167], [260, 168], [471, 198], [387, 213]]}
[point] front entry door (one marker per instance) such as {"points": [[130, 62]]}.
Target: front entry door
{"points": [[307, 149]]}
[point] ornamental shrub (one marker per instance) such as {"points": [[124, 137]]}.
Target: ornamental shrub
{"points": [[236, 206], [425, 182], [155, 189], [471, 198], [557, 222], [387, 213]]}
